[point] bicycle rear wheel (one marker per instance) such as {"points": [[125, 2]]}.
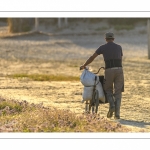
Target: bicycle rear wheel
{"points": [[92, 105], [96, 101]]}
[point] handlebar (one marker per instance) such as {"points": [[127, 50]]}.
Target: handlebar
{"points": [[99, 70]]}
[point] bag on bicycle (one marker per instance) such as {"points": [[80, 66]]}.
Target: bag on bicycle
{"points": [[88, 80]]}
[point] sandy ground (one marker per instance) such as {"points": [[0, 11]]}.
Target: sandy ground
{"points": [[63, 54]]}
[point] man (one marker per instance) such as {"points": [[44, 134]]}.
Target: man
{"points": [[114, 78]]}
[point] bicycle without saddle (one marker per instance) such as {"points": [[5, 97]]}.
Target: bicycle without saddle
{"points": [[93, 104]]}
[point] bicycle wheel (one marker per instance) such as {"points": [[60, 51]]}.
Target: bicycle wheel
{"points": [[92, 105], [96, 101], [92, 102], [93, 108]]}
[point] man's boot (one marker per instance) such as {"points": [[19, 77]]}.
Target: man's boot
{"points": [[111, 105], [117, 105]]}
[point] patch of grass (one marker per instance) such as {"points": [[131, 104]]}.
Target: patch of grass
{"points": [[36, 118], [101, 28], [10, 106], [73, 65], [123, 27], [126, 21], [26, 28], [44, 77]]}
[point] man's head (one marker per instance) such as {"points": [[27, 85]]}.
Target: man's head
{"points": [[109, 36]]}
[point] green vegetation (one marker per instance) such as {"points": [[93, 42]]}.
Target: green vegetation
{"points": [[17, 25], [27, 24], [45, 77], [101, 29], [126, 21], [11, 106], [123, 27], [36, 118]]}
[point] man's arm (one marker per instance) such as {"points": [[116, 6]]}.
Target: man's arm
{"points": [[89, 60]]}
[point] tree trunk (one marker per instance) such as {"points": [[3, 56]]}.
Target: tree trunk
{"points": [[20, 24]]}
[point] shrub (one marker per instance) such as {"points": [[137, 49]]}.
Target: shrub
{"points": [[37, 118]]}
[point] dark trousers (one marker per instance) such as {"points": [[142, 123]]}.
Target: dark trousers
{"points": [[114, 86]]}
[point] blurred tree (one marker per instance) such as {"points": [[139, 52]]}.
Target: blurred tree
{"points": [[3, 19], [20, 24]]}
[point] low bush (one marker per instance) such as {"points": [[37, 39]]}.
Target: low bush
{"points": [[37, 118]]}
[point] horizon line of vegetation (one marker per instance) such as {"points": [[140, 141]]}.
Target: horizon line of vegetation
{"points": [[45, 77]]}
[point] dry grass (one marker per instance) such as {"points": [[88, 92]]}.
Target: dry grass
{"points": [[45, 77], [18, 116]]}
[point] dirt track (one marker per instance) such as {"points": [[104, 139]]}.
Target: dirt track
{"points": [[43, 54]]}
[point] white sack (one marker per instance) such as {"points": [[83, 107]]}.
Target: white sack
{"points": [[87, 78], [88, 91]]}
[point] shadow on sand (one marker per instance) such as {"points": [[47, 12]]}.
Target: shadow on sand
{"points": [[140, 124]]}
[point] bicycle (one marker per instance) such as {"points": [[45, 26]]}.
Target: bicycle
{"points": [[93, 104]]}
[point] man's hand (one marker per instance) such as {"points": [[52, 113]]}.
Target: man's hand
{"points": [[82, 67], [88, 61]]}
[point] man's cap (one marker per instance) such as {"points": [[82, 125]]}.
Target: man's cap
{"points": [[109, 35]]}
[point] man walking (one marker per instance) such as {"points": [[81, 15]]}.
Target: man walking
{"points": [[114, 77]]}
